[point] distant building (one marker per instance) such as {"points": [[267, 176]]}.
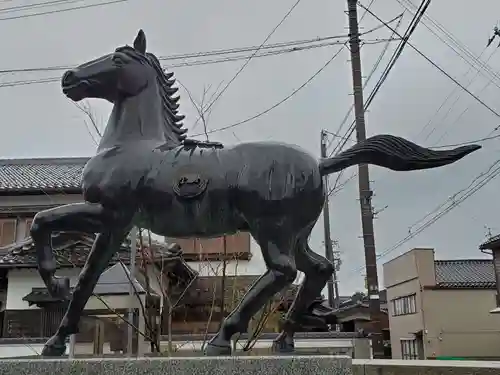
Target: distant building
{"points": [[492, 246], [441, 308]]}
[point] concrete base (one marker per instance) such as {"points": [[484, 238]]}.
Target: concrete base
{"points": [[424, 367], [285, 365]]}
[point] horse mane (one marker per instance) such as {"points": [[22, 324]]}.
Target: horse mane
{"points": [[173, 126]]}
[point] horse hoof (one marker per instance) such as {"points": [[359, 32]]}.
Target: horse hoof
{"points": [[54, 348], [283, 347], [59, 288], [215, 350]]}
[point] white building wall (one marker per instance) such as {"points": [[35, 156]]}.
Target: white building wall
{"points": [[16, 203], [254, 266], [22, 281]]}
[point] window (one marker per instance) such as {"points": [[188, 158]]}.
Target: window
{"points": [[50, 320], [409, 349], [404, 305], [7, 231], [28, 227]]}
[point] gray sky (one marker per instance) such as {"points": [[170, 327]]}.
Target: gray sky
{"points": [[39, 121]]}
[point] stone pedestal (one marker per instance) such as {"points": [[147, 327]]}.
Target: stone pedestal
{"points": [[284, 365]]}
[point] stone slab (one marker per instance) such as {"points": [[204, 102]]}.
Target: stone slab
{"points": [[424, 367], [265, 365]]}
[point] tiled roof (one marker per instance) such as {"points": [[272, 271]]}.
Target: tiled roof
{"points": [[465, 274], [41, 174], [114, 281], [346, 301], [72, 249], [492, 243]]}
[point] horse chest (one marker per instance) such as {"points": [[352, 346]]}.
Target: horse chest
{"points": [[110, 181]]}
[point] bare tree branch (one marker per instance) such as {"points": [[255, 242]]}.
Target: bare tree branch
{"points": [[86, 109], [198, 107], [202, 105]]}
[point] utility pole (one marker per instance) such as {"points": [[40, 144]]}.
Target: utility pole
{"points": [[132, 296], [223, 281], [333, 299], [365, 193]]}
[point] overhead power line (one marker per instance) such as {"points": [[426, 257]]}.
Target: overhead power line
{"points": [[267, 110], [80, 7], [216, 52], [460, 116], [224, 89], [438, 67], [369, 77], [43, 4], [492, 172], [346, 137], [281, 51], [396, 54], [299, 45], [336, 188], [262, 45], [460, 49], [489, 137], [448, 97], [339, 175]]}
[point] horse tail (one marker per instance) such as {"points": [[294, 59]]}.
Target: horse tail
{"points": [[394, 153]]}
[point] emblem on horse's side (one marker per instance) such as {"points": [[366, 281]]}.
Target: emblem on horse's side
{"points": [[189, 184]]}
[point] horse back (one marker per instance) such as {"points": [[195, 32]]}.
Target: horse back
{"points": [[276, 179]]}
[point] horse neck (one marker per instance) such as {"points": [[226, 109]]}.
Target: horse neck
{"points": [[135, 118]]}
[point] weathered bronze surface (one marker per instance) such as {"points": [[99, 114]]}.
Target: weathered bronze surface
{"points": [[273, 190]]}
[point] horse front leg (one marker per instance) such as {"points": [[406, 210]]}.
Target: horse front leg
{"points": [[105, 246], [281, 273], [78, 217]]}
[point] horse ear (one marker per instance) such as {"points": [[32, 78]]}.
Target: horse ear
{"points": [[140, 42]]}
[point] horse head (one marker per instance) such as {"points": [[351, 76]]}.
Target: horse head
{"points": [[117, 75], [125, 73]]}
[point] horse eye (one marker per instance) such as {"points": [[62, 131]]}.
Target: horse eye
{"points": [[119, 59]]}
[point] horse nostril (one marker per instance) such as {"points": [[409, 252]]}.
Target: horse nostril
{"points": [[68, 78]]}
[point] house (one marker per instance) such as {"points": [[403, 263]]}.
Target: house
{"points": [[440, 308], [353, 315], [29, 310], [492, 247]]}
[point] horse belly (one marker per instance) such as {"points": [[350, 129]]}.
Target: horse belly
{"points": [[203, 217]]}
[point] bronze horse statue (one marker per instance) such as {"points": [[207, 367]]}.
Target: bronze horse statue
{"points": [[146, 173]]}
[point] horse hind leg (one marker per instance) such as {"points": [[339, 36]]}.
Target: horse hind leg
{"points": [[317, 270], [276, 245]]}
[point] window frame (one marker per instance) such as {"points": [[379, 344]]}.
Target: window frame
{"points": [[404, 305], [7, 221], [28, 221], [412, 349]]}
